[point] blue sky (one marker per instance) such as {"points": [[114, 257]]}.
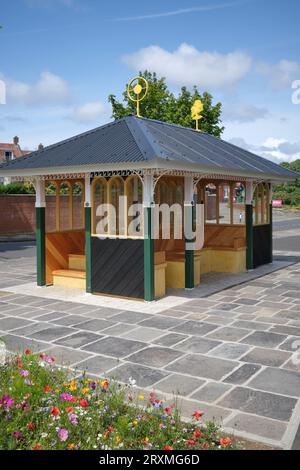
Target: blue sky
{"points": [[60, 59]]}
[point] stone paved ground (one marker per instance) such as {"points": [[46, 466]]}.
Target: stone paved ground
{"points": [[229, 354]]}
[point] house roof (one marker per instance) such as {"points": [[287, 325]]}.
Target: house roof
{"points": [[141, 141], [14, 148]]}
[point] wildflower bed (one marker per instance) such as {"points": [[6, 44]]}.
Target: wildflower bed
{"points": [[41, 408]]}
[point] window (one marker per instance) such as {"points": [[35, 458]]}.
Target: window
{"points": [[261, 208], [51, 208], [99, 192], [65, 207], [238, 203], [117, 215], [211, 204], [224, 204], [8, 156]]}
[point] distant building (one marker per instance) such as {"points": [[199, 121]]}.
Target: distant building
{"points": [[9, 152]]}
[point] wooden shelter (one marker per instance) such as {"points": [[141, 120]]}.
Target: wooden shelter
{"points": [[149, 162]]}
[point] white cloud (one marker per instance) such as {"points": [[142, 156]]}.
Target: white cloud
{"points": [[274, 149], [50, 89], [88, 112], [181, 11], [280, 75], [240, 112], [189, 66]]}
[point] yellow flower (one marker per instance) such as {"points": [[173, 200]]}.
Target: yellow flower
{"points": [[141, 397], [104, 382], [134, 423], [85, 390], [118, 440], [71, 446], [146, 439]]}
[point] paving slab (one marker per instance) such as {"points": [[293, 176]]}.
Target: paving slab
{"points": [[65, 356], [284, 329], [266, 357], [162, 323], [179, 384], [278, 381], [94, 325], [257, 426], [196, 344], [259, 403], [79, 339], [228, 333], [194, 328], [131, 317], [211, 392], [143, 333], [18, 344], [98, 364], [155, 356], [53, 333], [144, 376], [69, 320], [169, 339], [199, 365], [116, 347], [242, 374], [10, 323], [229, 351], [264, 338]]}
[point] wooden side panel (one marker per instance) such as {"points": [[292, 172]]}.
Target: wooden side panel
{"points": [[225, 236], [58, 247], [261, 245], [118, 267]]}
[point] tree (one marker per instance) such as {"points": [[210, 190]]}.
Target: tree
{"points": [[161, 104]]}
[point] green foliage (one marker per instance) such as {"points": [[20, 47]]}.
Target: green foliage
{"points": [[42, 408], [17, 188], [289, 193], [163, 105]]}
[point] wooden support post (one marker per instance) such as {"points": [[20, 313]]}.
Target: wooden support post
{"points": [[249, 224], [188, 231], [88, 229], [148, 239], [40, 205]]}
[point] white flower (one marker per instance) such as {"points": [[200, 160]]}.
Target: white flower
{"points": [[132, 382]]}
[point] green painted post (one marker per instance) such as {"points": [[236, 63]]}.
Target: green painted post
{"points": [[249, 236], [88, 257], [148, 256], [271, 233], [41, 246], [189, 254]]}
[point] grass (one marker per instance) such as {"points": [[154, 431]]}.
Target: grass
{"points": [[42, 408]]}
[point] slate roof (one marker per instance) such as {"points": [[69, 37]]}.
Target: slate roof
{"points": [[138, 140]]}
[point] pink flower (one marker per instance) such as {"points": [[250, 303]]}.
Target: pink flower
{"points": [[66, 397], [24, 373], [63, 434], [6, 401], [17, 435]]}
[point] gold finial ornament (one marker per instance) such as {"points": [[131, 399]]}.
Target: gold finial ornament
{"points": [[137, 91], [197, 109]]}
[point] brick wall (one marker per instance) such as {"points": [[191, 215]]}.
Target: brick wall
{"points": [[17, 214]]}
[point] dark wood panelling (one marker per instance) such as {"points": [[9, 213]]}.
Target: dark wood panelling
{"points": [[261, 245], [118, 267]]}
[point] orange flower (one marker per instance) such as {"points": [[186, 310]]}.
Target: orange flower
{"points": [[55, 411], [197, 433], [37, 447], [47, 389], [83, 403], [31, 426], [110, 429], [168, 448], [225, 441], [206, 445], [197, 415], [27, 352], [69, 409]]}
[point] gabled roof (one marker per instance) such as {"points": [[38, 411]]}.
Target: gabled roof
{"points": [[140, 140]]}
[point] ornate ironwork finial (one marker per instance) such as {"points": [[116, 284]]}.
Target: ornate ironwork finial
{"points": [[137, 91]]}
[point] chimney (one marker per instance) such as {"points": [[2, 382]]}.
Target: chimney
{"points": [[40, 147], [16, 140]]}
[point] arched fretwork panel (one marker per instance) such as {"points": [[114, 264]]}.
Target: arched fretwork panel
{"points": [[65, 206], [78, 205], [117, 214], [134, 210], [99, 209]]}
